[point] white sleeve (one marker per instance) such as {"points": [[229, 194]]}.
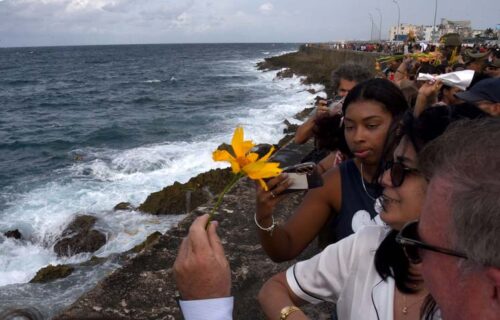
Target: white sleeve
{"points": [[322, 277], [207, 309]]}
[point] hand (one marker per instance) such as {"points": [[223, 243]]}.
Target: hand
{"points": [[322, 109], [267, 200], [429, 90], [201, 270]]}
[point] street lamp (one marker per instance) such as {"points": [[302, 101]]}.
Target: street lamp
{"points": [[399, 16], [371, 31], [380, 25]]}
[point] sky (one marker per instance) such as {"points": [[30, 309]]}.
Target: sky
{"points": [[88, 22]]}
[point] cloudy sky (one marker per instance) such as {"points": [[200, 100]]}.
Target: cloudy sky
{"points": [[73, 22]]}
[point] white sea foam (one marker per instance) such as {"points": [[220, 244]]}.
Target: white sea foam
{"points": [[104, 178]]}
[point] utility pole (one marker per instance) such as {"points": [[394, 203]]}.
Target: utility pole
{"points": [[399, 16], [434, 32], [380, 25], [371, 31]]}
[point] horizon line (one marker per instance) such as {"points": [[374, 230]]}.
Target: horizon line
{"points": [[167, 43]]}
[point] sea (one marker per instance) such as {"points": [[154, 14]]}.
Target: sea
{"points": [[83, 128]]}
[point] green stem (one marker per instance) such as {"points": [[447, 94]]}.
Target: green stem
{"points": [[228, 187]]}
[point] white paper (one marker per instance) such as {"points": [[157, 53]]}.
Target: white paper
{"points": [[459, 79], [299, 181]]}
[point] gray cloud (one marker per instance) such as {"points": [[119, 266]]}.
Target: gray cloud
{"points": [[60, 22]]}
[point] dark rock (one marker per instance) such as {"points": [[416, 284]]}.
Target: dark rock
{"points": [[79, 237], [81, 223], [151, 240], [290, 128], [317, 64], [83, 242], [227, 147], [285, 140], [311, 91], [286, 73], [51, 273], [93, 261], [304, 113], [262, 149], [123, 206], [13, 234], [181, 198]]}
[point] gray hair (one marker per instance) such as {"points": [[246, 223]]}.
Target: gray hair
{"points": [[468, 156], [350, 71]]}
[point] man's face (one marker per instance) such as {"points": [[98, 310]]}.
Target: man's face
{"points": [[489, 107], [345, 86], [457, 292], [492, 71]]}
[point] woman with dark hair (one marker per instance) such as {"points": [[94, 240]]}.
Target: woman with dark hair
{"points": [[367, 274], [348, 193]]}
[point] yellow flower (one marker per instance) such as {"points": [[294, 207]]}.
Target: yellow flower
{"points": [[248, 163]]}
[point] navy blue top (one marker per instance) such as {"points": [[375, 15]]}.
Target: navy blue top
{"points": [[357, 207]]}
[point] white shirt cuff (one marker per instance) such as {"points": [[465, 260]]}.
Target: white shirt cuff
{"points": [[208, 309]]}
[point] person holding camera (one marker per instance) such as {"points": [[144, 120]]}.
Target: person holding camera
{"points": [[346, 200], [344, 78]]}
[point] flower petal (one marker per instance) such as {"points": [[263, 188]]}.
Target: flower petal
{"points": [[252, 157], [240, 146], [259, 170], [223, 155], [267, 155], [263, 184]]}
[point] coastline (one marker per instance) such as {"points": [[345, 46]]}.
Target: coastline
{"points": [[143, 288]]}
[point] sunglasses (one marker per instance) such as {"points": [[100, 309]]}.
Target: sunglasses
{"points": [[409, 239], [398, 172]]}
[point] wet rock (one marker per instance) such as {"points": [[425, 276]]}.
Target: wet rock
{"points": [[304, 113], [150, 241], [225, 146], [13, 234], [290, 128], [183, 197], [285, 140], [51, 273], [316, 64], [124, 206], [311, 91], [286, 73], [79, 237]]}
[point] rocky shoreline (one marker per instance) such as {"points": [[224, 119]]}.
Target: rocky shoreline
{"points": [[144, 288]]}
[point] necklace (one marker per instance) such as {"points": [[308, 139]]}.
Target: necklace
{"points": [[363, 183], [405, 308]]}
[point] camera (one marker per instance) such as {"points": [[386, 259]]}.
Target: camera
{"points": [[304, 176]]}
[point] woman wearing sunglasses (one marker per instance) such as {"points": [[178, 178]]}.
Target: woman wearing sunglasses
{"points": [[348, 195], [367, 274]]}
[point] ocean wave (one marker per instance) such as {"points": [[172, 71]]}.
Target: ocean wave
{"points": [[152, 81], [105, 171]]}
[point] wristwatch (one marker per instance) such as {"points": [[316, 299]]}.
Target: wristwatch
{"points": [[286, 311]]}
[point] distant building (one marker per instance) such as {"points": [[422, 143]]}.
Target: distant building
{"points": [[424, 33], [462, 27]]}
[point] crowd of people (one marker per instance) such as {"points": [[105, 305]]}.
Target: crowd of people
{"points": [[408, 210]]}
